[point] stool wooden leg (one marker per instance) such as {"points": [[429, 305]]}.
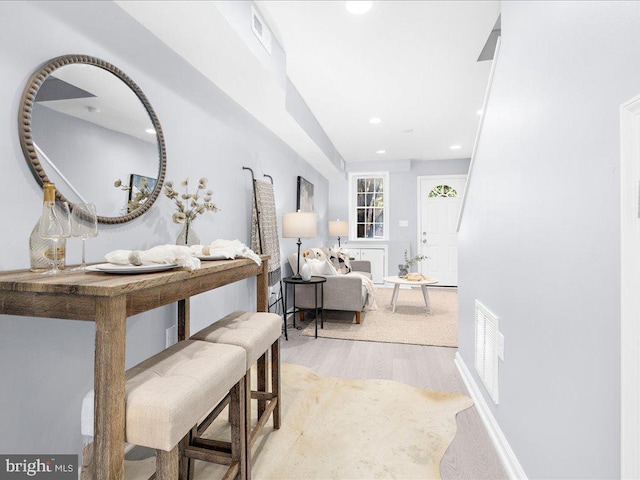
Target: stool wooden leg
{"points": [[183, 462], [275, 382], [238, 429], [167, 464], [262, 382], [190, 462], [247, 424]]}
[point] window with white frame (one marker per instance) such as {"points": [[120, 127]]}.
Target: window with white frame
{"points": [[368, 206]]}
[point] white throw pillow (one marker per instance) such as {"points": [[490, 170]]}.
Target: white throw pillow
{"points": [[321, 267]]}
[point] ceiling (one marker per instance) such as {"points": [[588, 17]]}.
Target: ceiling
{"points": [[413, 64]]}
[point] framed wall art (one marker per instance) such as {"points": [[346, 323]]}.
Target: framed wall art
{"points": [[305, 195], [139, 191]]}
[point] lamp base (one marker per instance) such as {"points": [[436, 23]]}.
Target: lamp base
{"points": [[297, 276]]}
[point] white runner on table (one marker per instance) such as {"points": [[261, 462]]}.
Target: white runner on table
{"points": [[227, 249], [181, 255]]}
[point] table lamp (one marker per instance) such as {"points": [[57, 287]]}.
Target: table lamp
{"points": [[338, 229], [299, 225]]}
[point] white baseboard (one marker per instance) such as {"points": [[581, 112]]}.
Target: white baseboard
{"points": [[505, 453]]}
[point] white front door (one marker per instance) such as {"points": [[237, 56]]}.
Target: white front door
{"points": [[439, 206]]}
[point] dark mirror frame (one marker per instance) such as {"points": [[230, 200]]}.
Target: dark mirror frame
{"points": [[24, 127]]}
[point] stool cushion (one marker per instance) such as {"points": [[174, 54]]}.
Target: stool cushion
{"points": [[253, 331], [168, 393]]}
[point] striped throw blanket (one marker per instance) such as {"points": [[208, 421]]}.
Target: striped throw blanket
{"points": [[267, 241]]}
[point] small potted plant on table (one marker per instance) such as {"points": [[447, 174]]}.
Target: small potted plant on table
{"points": [[408, 263]]}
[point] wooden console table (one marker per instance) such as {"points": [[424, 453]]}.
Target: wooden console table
{"points": [[108, 300]]}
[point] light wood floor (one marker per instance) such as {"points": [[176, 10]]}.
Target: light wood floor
{"points": [[471, 454]]}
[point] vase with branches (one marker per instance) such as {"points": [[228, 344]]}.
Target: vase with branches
{"points": [[408, 263], [189, 206]]}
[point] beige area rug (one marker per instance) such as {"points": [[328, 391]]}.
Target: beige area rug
{"points": [[409, 324], [345, 429]]}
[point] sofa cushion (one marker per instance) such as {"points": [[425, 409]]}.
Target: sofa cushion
{"points": [[293, 262], [340, 292], [321, 267], [340, 257], [318, 253]]}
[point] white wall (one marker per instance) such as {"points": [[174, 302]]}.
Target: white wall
{"points": [[46, 364], [539, 240]]}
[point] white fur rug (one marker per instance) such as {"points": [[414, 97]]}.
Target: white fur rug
{"points": [[345, 429]]}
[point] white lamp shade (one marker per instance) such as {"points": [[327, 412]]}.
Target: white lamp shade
{"points": [[338, 229], [299, 225]]}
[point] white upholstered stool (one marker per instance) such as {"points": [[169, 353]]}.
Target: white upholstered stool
{"points": [[167, 394], [256, 333]]}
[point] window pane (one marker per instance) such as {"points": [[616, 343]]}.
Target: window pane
{"points": [[369, 199], [368, 202], [369, 230], [444, 191]]}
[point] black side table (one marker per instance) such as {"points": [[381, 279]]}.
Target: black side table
{"points": [[315, 281]]}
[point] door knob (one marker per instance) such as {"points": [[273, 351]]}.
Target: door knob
{"points": [[424, 241]]}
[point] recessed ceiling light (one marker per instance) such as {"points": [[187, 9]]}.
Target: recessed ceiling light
{"points": [[408, 130], [358, 7], [93, 109], [455, 147], [150, 131], [375, 120], [380, 152], [479, 112]]}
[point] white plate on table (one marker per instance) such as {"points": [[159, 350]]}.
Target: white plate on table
{"points": [[217, 256], [127, 269]]}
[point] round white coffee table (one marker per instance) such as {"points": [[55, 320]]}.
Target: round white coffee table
{"points": [[397, 281]]}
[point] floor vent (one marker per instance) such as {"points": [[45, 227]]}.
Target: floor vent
{"points": [[487, 349]]}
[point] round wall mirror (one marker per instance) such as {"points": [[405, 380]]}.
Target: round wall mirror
{"points": [[87, 127]]}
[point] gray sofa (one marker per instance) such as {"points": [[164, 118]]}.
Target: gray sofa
{"points": [[341, 292]]}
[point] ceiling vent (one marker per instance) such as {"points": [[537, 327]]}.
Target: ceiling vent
{"points": [[260, 29]]}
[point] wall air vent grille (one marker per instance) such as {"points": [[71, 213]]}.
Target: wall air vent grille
{"points": [[260, 29], [486, 358]]}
